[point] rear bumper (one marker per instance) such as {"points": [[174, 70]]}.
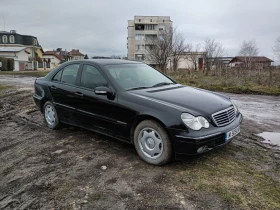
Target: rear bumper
{"points": [[38, 101], [188, 142]]}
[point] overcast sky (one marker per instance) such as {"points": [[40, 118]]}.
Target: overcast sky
{"points": [[99, 27]]}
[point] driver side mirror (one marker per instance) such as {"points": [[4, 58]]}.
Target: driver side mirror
{"points": [[102, 90]]}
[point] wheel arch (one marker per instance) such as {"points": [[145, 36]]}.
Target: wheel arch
{"points": [[141, 118]]}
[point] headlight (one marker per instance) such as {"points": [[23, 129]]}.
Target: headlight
{"points": [[235, 108], [195, 123]]}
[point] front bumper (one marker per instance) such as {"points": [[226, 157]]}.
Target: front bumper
{"points": [[188, 142]]}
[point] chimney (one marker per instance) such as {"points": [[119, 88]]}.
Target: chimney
{"points": [[78, 50]]}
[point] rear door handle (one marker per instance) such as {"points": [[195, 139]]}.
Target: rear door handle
{"points": [[79, 94], [53, 87]]}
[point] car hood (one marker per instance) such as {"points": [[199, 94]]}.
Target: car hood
{"points": [[184, 98]]}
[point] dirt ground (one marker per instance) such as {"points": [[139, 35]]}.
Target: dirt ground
{"points": [[73, 168]]}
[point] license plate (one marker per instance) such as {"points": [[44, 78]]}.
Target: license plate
{"points": [[232, 133]]}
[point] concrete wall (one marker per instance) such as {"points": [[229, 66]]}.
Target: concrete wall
{"points": [[185, 62]]}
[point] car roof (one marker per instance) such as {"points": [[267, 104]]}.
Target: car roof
{"points": [[110, 61]]}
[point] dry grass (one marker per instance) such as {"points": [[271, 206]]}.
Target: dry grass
{"points": [[4, 87], [235, 182], [25, 73], [233, 80]]}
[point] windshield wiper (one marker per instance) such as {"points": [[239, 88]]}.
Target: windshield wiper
{"points": [[138, 88], [162, 84]]}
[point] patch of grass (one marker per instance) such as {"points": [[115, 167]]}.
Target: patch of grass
{"points": [[235, 182], [4, 87], [247, 82], [64, 190], [25, 73], [95, 196]]}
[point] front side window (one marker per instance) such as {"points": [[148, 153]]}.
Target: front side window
{"points": [[136, 75], [4, 39], [69, 74], [12, 39], [57, 76], [92, 78]]}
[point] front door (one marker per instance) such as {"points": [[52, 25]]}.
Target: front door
{"points": [[98, 112]]}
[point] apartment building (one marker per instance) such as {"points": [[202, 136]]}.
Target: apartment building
{"points": [[140, 31]]}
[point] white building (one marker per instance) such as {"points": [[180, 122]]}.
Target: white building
{"points": [[189, 61], [51, 60], [76, 54], [140, 31], [20, 56], [16, 42]]}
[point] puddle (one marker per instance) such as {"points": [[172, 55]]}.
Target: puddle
{"points": [[270, 138]]}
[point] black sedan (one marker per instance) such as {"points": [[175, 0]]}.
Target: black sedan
{"points": [[133, 102]]}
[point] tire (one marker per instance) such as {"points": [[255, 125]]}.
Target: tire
{"points": [[50, 116], [152, 143]]}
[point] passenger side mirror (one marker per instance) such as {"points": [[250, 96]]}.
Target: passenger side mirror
{"points": [[102, 90]]}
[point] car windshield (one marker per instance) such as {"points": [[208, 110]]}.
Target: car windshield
{"points": [[137, 76]]}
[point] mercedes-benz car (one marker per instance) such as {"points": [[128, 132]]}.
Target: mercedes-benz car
{"points": [[135, 103]]}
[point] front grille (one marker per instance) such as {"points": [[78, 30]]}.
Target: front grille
{"points": [[224, 117]]}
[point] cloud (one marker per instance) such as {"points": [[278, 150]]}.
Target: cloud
{"points": [[100, 27]]}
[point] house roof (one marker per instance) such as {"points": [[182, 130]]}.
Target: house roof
{"points": [[252, 59], [11, 49], [54, 54], [76, 52]]}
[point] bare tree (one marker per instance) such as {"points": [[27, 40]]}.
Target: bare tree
{"points": [[179, 48], [160, 48], [276, 48], [116, 56], [192, 54], [214, 50], [248, 49]]}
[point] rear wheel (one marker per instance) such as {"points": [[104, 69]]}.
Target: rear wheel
{"points": [[50, 116], [152, 143]]}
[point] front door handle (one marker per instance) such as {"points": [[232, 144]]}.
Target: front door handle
{"points": [[53, 87], [79, 94]]}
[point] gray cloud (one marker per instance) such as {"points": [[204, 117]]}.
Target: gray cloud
{"points": [[100, 27]]}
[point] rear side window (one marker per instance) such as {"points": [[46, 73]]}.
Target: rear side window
{"points": [[70, 73], [92, 78]]}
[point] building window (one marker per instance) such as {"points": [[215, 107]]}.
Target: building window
{"points": [[139, 47], [163, 21], [161, 28], [150, 37], [139, 57], [150, 27], [139, 27], [139, 20], [139, 37], [149, 47], [35, 41], [4, 39], [12, 39], [151, 20]]}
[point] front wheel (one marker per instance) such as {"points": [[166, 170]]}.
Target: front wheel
{"points": [[152, 143], [50, 116]]}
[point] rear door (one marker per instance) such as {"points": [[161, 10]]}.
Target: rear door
{"points": [[63, 88], [98, 112]]}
